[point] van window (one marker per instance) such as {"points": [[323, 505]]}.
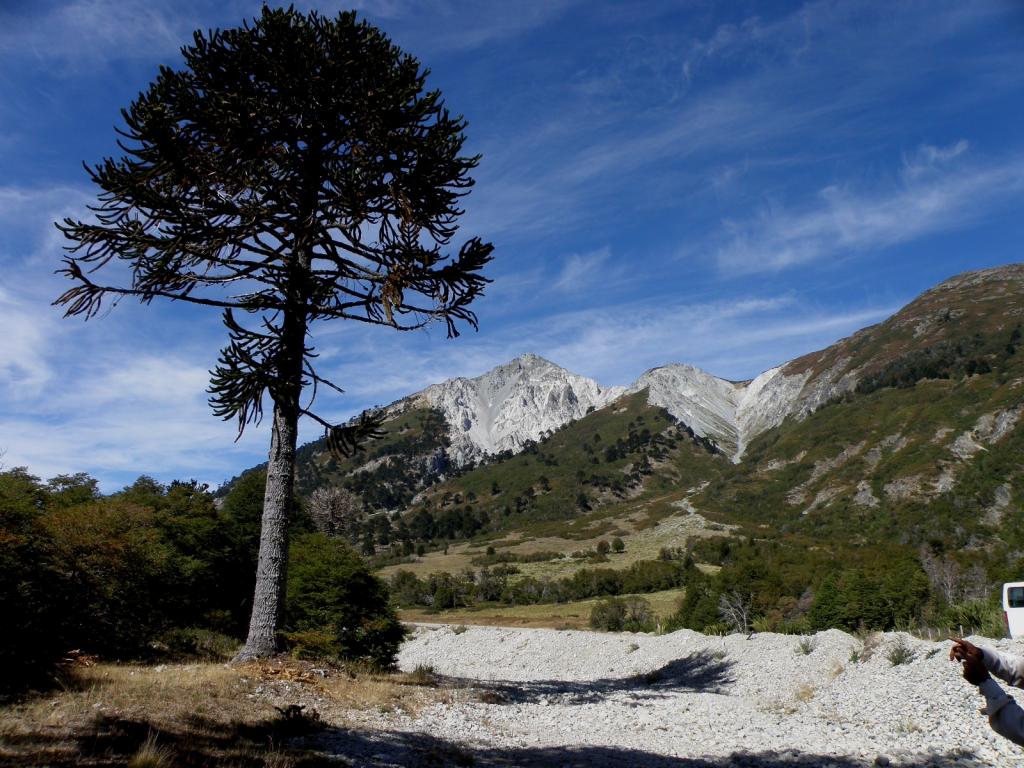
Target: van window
{"points": [[1015, 597]]}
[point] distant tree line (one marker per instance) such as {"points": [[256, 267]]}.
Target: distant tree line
{"points": [[441, 591], [791, 587]]}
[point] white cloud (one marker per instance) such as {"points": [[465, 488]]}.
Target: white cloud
{"points": [[24, 369], [580, 270], [927, 158], [926, 200], [118, 416], [90, 32]]}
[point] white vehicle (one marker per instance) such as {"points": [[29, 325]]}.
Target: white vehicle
{"points": [[1013, 608]]}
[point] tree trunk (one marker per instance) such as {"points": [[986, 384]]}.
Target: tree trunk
{"points": [[272, 570]]}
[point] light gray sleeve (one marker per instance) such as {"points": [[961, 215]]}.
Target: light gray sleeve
{"points": [[1004, 666], [1004, 714]]}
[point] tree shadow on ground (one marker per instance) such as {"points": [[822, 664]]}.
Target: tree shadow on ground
{"points": [[305, 743], [418, 750], [109, 742], [696, 673]]}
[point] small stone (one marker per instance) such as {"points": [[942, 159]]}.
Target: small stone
{"points": [[882, 760]]}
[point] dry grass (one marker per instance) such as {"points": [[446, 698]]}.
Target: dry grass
{"points": [[804, 694], [152, 755], [574, 615], [195, 714]]}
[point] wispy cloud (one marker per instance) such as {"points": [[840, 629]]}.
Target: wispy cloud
{"points": [[926, 198], [581, 270], [120, 415], [24, 368], [458, 25], [91, 32], [812, 72], [928, 158]]}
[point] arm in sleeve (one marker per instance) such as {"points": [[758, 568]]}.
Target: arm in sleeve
{"points": [[1004, 714], [1004, 666]]}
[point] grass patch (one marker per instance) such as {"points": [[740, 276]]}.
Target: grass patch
{"points": [[806, 646], [195, 715], [422, 675]]}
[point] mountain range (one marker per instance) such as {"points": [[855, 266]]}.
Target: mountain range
{"points": [[521, 400], [905, 430]]}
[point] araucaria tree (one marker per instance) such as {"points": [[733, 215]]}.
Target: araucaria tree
{"points": [[295, 170]]}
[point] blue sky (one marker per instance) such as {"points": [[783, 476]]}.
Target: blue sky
{"points": [[725, 184]]}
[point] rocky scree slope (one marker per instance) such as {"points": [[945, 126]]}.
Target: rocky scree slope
{"points": [[547, 697]]}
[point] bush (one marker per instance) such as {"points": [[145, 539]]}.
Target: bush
{"points": [[312, 644], [857, 598], [29, 595], [900, 652], [331, 590], [114, 565], [198, 643], [699, 606], [622, 614], [984, 617]]}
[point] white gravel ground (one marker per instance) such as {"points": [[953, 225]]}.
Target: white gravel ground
{"points": [[542, 697]]}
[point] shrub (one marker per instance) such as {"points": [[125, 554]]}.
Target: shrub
{"points": [[699, 607], [331, 590], [867, 598], [618, 614], [199, 643], [152, 755], [806, 646], [29, 594], [114, 564], [900, 652], [423, 675], [312, 644], [407, 588], [717, 628], [618, 545], [984, 617]]}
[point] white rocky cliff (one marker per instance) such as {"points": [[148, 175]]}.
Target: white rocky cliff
{"points": [[511, 404], [728, 413], [705, 403]]}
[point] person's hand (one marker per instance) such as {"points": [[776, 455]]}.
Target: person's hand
{"points": [[974, 669], [963, 649]]}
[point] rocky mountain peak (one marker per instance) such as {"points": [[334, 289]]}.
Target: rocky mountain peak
{"points": [[511, 404]]}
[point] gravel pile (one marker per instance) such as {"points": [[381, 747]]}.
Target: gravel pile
{"points": [[536, 697]]}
